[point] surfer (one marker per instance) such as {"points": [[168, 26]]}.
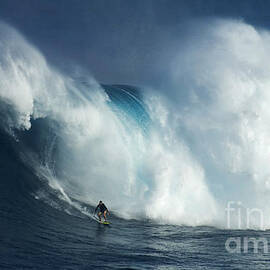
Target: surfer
{"points": [[102, 210]]}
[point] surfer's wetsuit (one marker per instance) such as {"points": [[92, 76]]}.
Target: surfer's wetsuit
{"points": [[102, 208]]}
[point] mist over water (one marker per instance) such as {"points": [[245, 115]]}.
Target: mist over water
{"points": [[176, 157], [225, 118]]}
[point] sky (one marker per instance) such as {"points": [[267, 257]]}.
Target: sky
{"points": [[120, 41]]}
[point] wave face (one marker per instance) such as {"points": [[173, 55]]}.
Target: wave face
{"points": [[145, 155]]}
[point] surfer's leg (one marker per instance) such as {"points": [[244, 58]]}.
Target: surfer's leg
{"points": [[99, 216], [105, 212]]}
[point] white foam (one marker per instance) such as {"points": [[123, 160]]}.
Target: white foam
{"points": [[225, 68]]}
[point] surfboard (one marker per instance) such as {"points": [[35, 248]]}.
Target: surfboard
{"points": [[101, 222], [105, 222]]}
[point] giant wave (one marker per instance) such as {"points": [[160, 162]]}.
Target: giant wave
{"points": [[143, 154]]}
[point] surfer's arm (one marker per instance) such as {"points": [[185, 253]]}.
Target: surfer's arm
{"points": [[96, 208]]}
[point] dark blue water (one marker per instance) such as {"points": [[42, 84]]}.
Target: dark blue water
{"points": [[35, 234]]}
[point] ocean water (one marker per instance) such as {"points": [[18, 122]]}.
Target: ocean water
{"points": [[34, 235], [186, 177]]}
